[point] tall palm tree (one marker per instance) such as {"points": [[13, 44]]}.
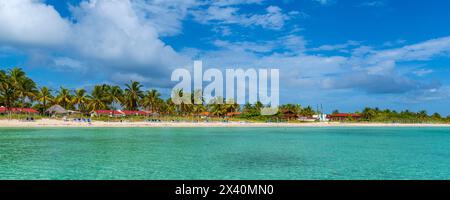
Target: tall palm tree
{"points": [[307, 112], [422, 114], [294, 108], [26, 89], [64, 98], [248, 108], [369, 113], [198, 108], [198, 103], [179, 101], [114, 95], [259, 106], [16, 75], [103, 91], [80, 99], [197, 97], [133, 94], [160, 104], [7, 90], [97, 99], [44, 96], [150, 100], [186, 105], [217, 107], [21, 85], [3, 78], [169, 108], [232, 106]]}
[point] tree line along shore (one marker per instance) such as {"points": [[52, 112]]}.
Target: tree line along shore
{"points": [[20, 92]]}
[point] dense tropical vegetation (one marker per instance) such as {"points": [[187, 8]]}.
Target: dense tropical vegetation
{"points": [[18, 90], [406, 116]]}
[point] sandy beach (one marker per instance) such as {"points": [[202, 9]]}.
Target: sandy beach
{"points": [[61, 123]]}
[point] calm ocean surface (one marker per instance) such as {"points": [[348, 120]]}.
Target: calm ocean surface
{"points": [[225, 153]]}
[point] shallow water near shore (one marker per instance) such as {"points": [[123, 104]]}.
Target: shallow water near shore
{"points": [[225, 153]]}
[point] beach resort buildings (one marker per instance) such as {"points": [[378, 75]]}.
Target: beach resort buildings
{"points": [[4, 110], [344, 117], [120, 113]]}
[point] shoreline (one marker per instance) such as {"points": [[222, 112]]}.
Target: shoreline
{"points": [[53, 123]]}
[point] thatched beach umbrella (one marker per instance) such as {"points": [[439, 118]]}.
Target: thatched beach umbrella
{"points": [[56, 109]]}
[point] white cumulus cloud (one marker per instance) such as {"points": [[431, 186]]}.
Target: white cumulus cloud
{"points": [[31, 23], [110, 36]]}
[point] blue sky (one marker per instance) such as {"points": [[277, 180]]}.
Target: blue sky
{"points": [[340, 53]]}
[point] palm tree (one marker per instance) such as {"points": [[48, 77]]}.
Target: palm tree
{"points": [[369, 114], [294, 108], [115, 95], [7, 90], [44, 96], [3, 78], [133, 94], [422, 114], [97, 99], [217, 107], [232, 106], [16, 75], [198, 108], [197, 97], [160, 104], [80, 99], [248, 108], [64, 98], [182, 107], [198, 103], [259, 106], [187, 108], [169, 108], [26, 89], [307, 112], [150, 100], [19, 86]]}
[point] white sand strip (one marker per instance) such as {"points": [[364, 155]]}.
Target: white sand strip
{"points": [[61, 123]]}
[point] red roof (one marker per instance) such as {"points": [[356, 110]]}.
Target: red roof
{"points": [[344, 115], [18, 110], [120, 112], [134, 112], [233, 114], [204, 113], [108, 112]]}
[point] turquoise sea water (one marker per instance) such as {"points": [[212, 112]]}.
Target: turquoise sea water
{"points": [[225, 153]]}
